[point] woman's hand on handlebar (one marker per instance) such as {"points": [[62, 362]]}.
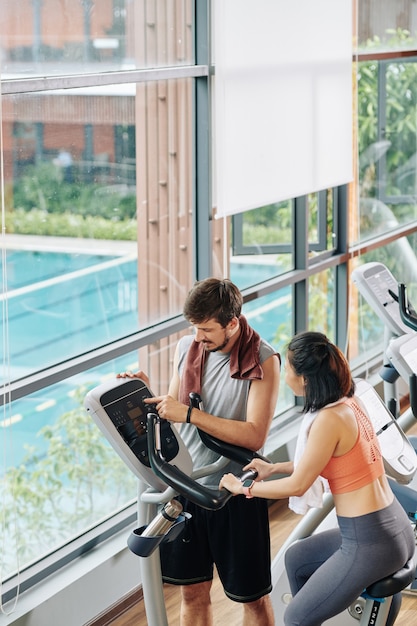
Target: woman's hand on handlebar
{"points": [[232, 484], [261, 467]]}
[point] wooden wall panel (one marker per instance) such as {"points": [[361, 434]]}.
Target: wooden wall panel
{"points": [[164, 179]]}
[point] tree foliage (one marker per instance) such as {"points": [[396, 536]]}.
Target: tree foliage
{"points": [[43, 203], [51, 496]]}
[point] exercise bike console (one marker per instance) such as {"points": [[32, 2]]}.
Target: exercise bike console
{"points": [[150, 446], [379, 287], [118, 409], [400, 458]]}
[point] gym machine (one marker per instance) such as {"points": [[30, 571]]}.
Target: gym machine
{"points": [[388, 299], [380, 289], [154, 451]]}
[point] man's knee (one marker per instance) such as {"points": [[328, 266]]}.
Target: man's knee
{"points": [[197, 594], [259, 612]]}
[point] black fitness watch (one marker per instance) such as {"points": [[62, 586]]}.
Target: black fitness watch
{"points": [[247, 486]]}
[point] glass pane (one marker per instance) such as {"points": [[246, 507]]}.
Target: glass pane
{"points": [[271, 317], [387, 146], [61, 472], [262, 244], [60, 475], [367, 329], [47, 37], [321, 306], [99, 211], [268, 225], [246, 271], [400, 132], [321, 235], [313, 217], [386, 25]]}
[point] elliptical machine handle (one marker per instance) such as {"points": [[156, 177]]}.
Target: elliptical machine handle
{"points": [[205, 497], [240, 455], [407, 313]]}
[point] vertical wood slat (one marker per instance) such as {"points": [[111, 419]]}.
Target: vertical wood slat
{"points": [[164, 166], [174, 176], [144, 219], [162, 59]]}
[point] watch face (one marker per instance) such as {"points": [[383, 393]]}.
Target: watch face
{"points": [[248, 482]]}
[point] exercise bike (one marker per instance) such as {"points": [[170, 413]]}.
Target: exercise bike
{"points": [[388, 298], [154, 451]]}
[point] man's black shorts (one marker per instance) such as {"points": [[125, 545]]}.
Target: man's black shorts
{"points": [[235, 538]]}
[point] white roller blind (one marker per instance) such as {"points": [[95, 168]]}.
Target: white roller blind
{"points": [[282, 100]]}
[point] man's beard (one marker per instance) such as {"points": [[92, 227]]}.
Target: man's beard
{"points": [[220, 347]]}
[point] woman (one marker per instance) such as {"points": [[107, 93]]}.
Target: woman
{"points": [[374, 538]]}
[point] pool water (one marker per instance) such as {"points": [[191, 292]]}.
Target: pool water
{"points": [[62, 305], [66, 304], [26, 267], [245, 274]]}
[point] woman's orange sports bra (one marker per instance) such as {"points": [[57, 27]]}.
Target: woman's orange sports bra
{"points": [[362, 464]]}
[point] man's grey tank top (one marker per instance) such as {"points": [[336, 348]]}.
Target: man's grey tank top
{"points": [[222, 396]]}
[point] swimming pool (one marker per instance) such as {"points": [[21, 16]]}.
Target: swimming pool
{"points": [[61, 305], [66, 304], [27, 267]]}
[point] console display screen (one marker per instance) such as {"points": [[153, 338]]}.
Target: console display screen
{"points": [[134, 413]]}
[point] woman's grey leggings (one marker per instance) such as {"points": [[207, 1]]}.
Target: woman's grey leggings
{"points": [[329, 570]]}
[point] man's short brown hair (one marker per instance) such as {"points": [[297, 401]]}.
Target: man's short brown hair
{"points": [[213, 298]]}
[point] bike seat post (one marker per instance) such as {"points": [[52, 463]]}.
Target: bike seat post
{"points": [[375, 612]]}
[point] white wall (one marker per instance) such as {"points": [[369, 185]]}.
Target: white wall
{"points": [[80, 591]]}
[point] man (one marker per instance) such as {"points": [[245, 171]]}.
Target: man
{"points": [[237, 375]]}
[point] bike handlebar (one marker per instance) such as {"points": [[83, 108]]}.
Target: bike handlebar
{"points": [[407, 313], [205, 497], [240, 455]]}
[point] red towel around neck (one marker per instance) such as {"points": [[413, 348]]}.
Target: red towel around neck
{"points": [[244, 361]]}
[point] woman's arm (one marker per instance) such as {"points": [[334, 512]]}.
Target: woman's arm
{"points": [[323, 438], [266, 470]]}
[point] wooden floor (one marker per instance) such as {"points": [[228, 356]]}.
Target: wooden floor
{"points": [[282, 521]]}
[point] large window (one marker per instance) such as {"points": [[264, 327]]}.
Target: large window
{"points": [[98, 216], [107, 221], [384, 226]]}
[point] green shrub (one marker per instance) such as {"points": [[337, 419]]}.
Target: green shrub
{"points": [[42, 187], [38, 222]]}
